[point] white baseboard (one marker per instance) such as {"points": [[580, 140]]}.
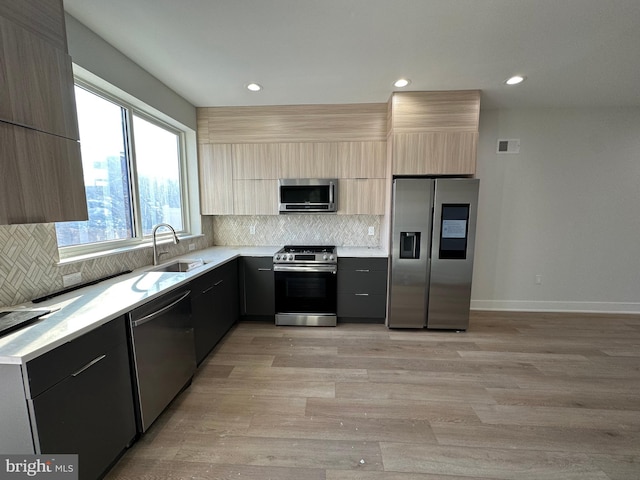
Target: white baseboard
{"points": [[554, 306]]}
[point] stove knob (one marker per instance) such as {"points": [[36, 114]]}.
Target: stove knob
{"points": [[290, 257], [331, 257], [277, 257], [324, 257]]}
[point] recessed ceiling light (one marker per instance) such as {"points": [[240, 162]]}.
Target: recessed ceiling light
{"points": [[515, 80], [254, 87], [402, 82]]}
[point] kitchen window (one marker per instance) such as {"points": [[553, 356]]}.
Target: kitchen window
{"points": [[134, 172]]}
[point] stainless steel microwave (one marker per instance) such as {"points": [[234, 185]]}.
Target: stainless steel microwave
{"points": [[307, 195]]}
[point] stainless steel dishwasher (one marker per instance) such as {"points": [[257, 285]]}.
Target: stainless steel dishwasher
{"points": [[163, 353]]}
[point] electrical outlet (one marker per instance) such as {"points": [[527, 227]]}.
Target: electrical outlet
{"points": [[71, 279], [192, 247], [252, 230], [538, 279], [372, 231]]}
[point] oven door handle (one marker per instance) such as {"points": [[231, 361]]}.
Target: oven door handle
{"points": [[306, 268]]}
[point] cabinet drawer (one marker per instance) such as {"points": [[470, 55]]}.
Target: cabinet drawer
{"points": [[90, 414], [361, 306], [362, 281], [54, 366], [371, 264], [216, 277]]}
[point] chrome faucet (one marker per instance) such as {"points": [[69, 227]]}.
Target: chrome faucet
{"points": [[156, 254]]}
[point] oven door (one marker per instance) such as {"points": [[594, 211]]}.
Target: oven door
{"points": [[305, 294]]}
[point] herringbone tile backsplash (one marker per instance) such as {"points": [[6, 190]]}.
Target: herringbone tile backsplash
{"points": [[29, 261], [309, 229]]}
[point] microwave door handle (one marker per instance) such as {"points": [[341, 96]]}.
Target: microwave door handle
{"points": [[331, 189]]}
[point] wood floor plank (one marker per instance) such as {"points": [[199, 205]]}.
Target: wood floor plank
{"points": [[441, 378], [592, 398], [281, 452], [360, 475], [241, 359], [299, 374], [377, 363], [341, 408], [558, 439], [256, 404], [558, 416], [415, 392], [489, 462], [345, 428], [267, 387]]}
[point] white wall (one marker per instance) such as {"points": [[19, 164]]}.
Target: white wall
{"points": [[95, 55], [567, 207]]}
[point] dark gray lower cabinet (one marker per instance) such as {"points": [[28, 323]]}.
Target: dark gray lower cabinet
{"points": [[257, 288], [362, 289], [81, 399], [214, 306]]}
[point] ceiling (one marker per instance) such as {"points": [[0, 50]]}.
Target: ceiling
{"points": [[573, 52]]}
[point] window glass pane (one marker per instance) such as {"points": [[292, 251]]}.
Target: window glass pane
{"points": [[106, 177], [157, 155]]}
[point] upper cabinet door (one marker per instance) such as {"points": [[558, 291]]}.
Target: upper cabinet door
{"points": [[216, 175], [36, 83], [51, 190], [434, 133]]}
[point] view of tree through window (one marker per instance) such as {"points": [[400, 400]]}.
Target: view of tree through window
{"points": [[108, 169], [158, 167]]}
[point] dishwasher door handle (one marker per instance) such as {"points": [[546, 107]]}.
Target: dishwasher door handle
{"points": [[151, 316]]}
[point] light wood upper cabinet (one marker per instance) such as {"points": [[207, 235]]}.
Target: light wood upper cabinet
{"points": [[255, 197], [216, 176], [41, 177], [308, 160], [52, 190], [37, 87], [255, 161], [435, 153], [43, 18], [361, 196], [434, 133], [292, 123], [362, 159]]}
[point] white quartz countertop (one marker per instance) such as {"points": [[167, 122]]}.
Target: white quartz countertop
{"points": [[80, 311]]}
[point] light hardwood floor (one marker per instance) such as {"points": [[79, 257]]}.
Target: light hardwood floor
{"points": [[517, 396]]}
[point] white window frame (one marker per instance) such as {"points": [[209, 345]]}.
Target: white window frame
{"points": [[139, 240]]}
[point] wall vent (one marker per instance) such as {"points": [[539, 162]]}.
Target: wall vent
{"points": [[508, 146]]}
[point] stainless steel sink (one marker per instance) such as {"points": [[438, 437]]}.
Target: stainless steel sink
{"points": [[179, 266]]}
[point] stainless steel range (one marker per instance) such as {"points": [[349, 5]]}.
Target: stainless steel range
{"points": [[305, 285]]}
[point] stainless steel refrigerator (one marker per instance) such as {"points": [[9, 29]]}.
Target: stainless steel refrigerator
{"points": [[433, 237]]}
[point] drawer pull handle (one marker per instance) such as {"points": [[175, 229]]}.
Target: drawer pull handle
{"points": [[363, 271], [361, 294], [264, 269], [218, 283], [208, 289], [89, 365]]}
